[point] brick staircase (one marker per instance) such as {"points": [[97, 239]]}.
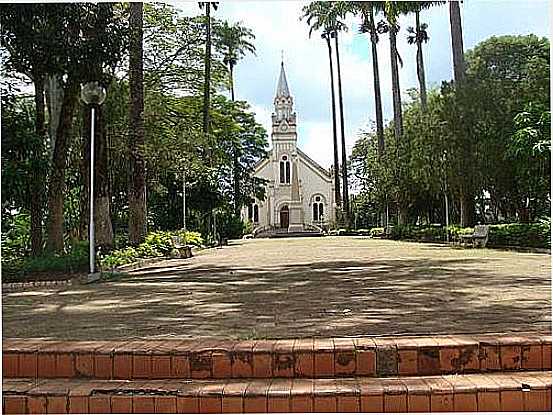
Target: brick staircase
{"points": [[369, 374]]}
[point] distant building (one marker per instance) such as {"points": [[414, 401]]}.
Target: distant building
{"points": [[299, 192]]}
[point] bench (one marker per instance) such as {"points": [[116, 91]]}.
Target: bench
{"points": [[181, 250], [478, 237]]}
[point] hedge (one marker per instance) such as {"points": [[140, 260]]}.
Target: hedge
{"points": [[533, 235]]}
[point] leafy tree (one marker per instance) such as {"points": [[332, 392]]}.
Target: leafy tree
{"points": [[93, 34]]}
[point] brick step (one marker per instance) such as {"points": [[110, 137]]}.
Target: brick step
{"points": [[302, 358], [501, 391]]}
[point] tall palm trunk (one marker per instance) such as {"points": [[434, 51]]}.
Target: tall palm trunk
{"points": [[235, 158], [466, 196], [207, 67], [56, 189], [343, 136], [396, 91], [457, 41], [37, 187], [137, 182], [420, 63], [377, 94], [231, 71], [337, 195]]}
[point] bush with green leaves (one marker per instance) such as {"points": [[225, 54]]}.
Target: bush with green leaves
{"points": [[156, 244], [376, 232], [533, 235], [75, 260]]}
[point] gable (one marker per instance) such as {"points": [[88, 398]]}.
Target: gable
{"points": [[314, 166]]}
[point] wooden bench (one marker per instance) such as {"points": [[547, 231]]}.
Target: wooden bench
{"points": [[478, 237], [183, 250]]}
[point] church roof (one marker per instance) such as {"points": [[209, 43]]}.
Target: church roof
{"points": [[282, 88]]}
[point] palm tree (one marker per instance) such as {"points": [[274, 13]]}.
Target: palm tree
{"points": [[457, 41], [207, 61], [235, 42], [367, 9], [390, 26], [417, 36], [316, 14], [337, 27], [137, 184], [466, 197]]}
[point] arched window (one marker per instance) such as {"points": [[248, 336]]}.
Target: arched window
{"points": [[284, 170], [255, 213], [250, 212], [318, 209]]}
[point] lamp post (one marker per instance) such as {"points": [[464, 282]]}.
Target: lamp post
{"points": [[93, 94]]}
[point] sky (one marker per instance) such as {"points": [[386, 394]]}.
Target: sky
{"points": [[279, 31]]}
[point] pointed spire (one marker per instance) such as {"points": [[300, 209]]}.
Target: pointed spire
{"points": [[282, 88]]}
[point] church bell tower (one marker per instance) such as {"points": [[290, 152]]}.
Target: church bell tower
{"points": [[285, 155], [284, 117]]}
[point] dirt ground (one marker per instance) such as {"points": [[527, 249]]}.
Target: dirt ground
{"points": [[279, 288]]}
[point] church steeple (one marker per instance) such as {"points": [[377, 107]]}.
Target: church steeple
{"points": [[284, 104], [282, 88]]}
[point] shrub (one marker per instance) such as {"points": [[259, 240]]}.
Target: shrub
{"points": [[534, 235], [73, 261], [156, 244], [247, 227], [376, 232]]}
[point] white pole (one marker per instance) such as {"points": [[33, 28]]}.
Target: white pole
{"points": [[92, 253], [446, 217], [184, 204]]}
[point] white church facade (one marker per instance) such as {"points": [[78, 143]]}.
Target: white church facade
{"points": [[299, 194]]}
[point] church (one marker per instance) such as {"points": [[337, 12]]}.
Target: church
{"points": [[299, 194]]}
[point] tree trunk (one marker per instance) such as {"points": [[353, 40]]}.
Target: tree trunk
{"points": [[231, 70], [402, 214], [457, 41], [54, 100], [337, 195], [137, 182], [207, 66], [377, 94], [84, 170], [466, 203], [396, 91], [420, 64], [235, 158], [343, 138], [56, 188], [103, 229], [37, 185]]}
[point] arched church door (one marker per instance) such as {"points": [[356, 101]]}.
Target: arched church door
{"points": [[284, 217]]}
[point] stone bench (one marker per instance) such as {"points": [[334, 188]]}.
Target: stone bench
{"points": [[478, 238], [180, 248]]}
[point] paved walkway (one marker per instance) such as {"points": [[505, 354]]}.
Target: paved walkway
{"points": [[332, 286]]}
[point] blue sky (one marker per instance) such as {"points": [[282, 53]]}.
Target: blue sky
{"points": [[277, 27]]}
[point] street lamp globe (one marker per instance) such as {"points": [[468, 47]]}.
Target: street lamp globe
{"points": [[93, 93]]}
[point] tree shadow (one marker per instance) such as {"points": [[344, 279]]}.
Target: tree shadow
{"points": [[328, 298]]}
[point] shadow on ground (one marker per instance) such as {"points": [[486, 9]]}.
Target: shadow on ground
{"points": [[202, 298]]}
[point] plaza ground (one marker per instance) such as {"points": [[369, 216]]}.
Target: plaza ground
{"points": [[301, 287]]}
